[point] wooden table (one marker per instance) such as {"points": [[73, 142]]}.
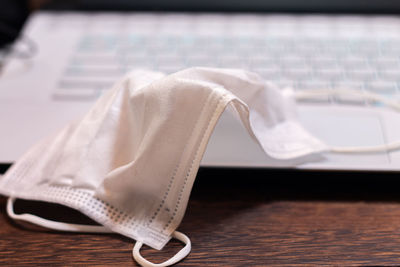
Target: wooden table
{"points": [[243, 218]]}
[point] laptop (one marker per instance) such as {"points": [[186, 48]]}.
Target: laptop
{"points": [[80, 52]]}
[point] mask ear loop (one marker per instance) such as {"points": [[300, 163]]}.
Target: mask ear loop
{"points": [[176, 258], [60, 226], [310, 94], [70, 227]]}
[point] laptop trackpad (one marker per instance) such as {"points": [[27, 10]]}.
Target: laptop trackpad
{"points": [[342, 127]]}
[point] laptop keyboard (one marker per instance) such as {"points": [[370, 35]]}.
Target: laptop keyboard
{"points": [[362, 55]]}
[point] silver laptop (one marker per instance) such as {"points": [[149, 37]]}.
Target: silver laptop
{"points": [[80, 55]]}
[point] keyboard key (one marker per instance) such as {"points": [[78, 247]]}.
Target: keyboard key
{"points": [[204, 61], [84, 83], [284, 83], [390, 50], [173, 61], [349, 84], [100, 71], [268, 73], [233, 62], [329, 73], [324, 62], [292, 61], [314, 85], [390, 75], [297, 73], [278, 48], [139, 62], [74, 95], [385, 63], [307, 49], [353, 62], [263, 62], [338, 49], [95, 46], [170, 60], [365, 48], [382, 87], [361, 74], [93, 60]]}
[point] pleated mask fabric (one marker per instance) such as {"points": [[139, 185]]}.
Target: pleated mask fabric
{"points": [[130, 162]]}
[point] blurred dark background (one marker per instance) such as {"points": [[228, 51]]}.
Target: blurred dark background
{"points": [[13, 13]]}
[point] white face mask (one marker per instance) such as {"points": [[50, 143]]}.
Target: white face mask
{"points": [[130, 163]]}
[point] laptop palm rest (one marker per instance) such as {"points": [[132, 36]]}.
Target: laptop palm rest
{"points": [[231, 145]]}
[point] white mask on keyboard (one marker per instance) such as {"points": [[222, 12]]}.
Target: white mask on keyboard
{"points": [[130, 163]]}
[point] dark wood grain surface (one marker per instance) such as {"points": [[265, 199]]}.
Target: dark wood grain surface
{"points": [[243, 218]]}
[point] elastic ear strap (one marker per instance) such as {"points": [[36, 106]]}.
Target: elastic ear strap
{"points": [[70, 227], [309, 94], [176, 258]]}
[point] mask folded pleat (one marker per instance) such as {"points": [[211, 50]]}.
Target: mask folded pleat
{"points": [[131, 161]]}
